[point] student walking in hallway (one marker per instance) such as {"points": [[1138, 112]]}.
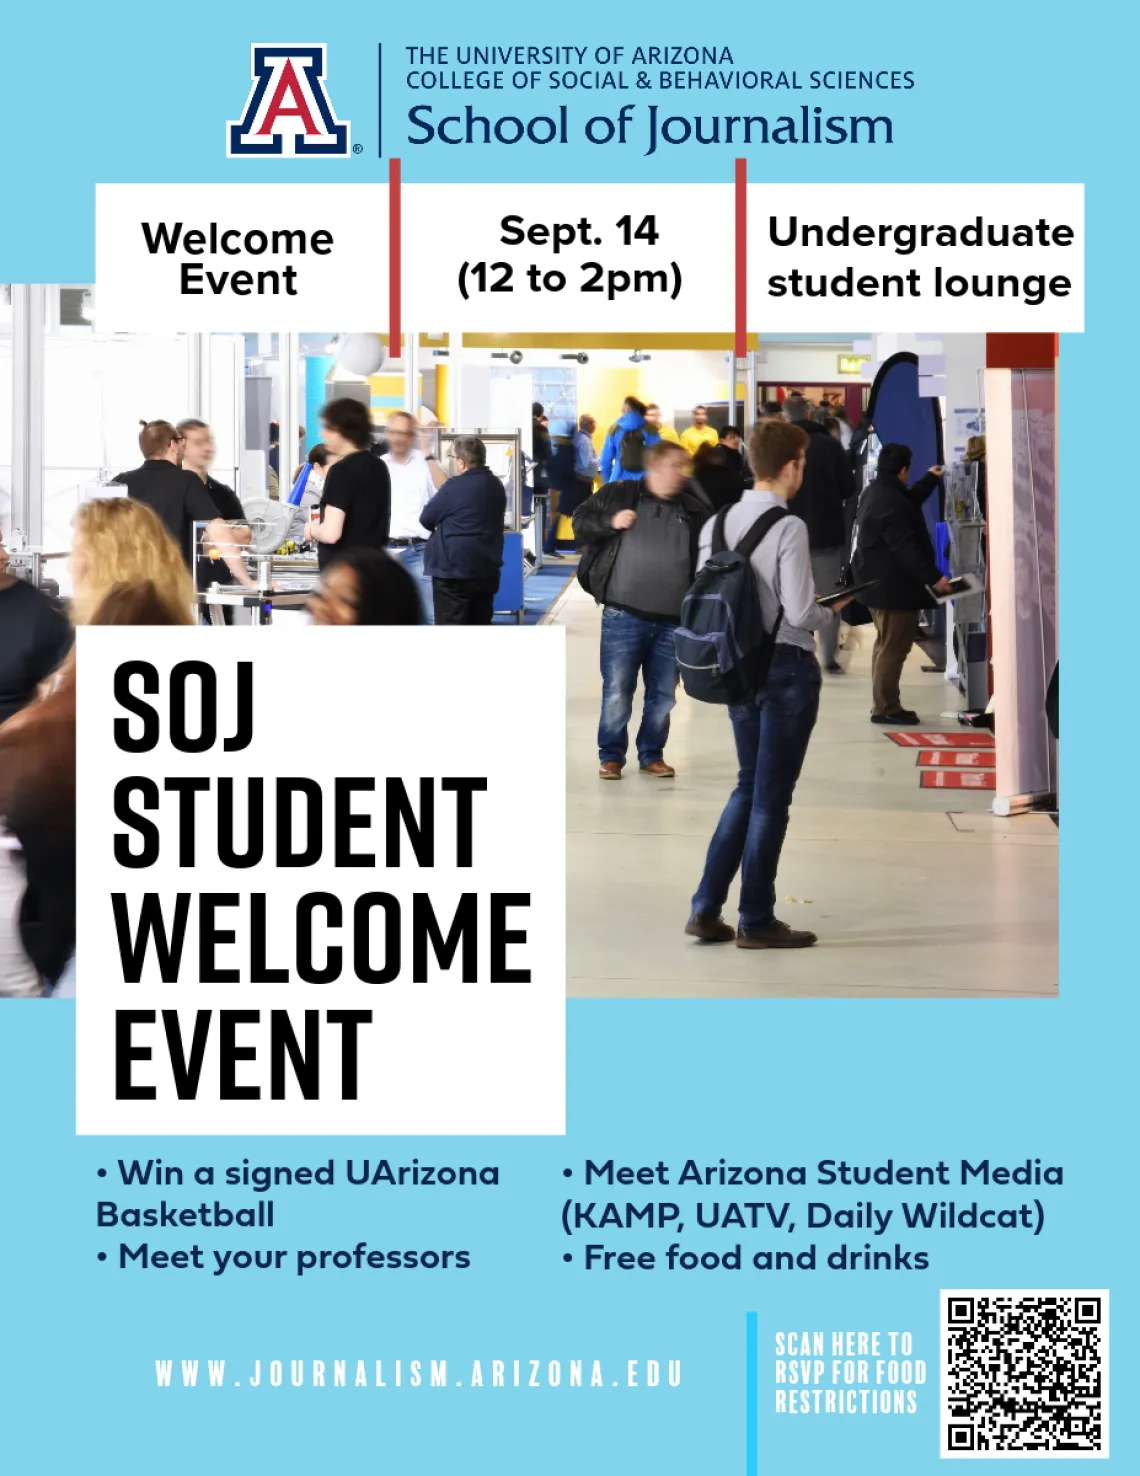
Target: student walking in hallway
{"points": [[773, 728], [641, 541]]}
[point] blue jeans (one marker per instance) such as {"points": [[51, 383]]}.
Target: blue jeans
{"points": [[411, 555], [772, 734], [631, 645]]}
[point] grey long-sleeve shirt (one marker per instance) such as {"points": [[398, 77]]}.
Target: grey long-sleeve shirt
{"points": [[782, 565]]}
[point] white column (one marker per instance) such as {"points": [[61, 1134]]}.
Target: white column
{"points": [[455, 375], [411, 357], [287, 371], [28, 412], [1020, 439], [198, 375]]}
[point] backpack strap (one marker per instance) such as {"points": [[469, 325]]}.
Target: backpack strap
{"points": [[759, 531], [719, 543], [751, 542]]}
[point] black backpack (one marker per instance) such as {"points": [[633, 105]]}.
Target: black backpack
{"points": [[631, 451], [723, 650]]}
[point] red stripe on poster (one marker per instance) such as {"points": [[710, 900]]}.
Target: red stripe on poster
{"points": [[394, 332], [741, 349]]}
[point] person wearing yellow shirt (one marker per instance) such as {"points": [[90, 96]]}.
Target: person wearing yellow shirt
{"points": [[653, 421], [700, 433]]}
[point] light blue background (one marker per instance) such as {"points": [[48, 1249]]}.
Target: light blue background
{"points": [[1004, 92]]}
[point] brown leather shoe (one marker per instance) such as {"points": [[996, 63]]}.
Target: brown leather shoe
{"points": [[611, 769], [659, 769], [775, 934], [710, 928]]}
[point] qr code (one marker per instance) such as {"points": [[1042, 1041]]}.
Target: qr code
{"points": [[1024, 1373]]}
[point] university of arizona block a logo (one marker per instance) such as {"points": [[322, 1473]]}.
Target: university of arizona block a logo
{"points": [[288, 113]]}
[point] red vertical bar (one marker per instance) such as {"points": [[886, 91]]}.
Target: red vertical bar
{"points": [[394, 336], [741, 260]]}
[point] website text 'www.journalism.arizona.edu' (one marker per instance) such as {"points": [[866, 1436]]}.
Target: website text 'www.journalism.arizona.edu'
{"points": [[418, 1373]]}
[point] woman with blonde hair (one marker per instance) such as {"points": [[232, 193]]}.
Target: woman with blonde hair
{"points": [[119, 541]]}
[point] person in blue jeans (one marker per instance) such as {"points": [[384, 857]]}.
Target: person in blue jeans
{"points": [[640, 540], [773, 729]]}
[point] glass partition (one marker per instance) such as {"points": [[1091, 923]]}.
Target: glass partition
{"points": [[96, 390], [503, 458]]}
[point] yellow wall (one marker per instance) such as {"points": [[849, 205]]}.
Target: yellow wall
{"points": [[442, 392], [388, 389], [601, 391]]}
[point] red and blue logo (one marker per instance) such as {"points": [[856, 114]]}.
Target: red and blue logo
{"points": [[288, 113]]}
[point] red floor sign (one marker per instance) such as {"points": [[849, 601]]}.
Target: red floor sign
{"points": [[957, 758], [958, 779], [963, 738]]}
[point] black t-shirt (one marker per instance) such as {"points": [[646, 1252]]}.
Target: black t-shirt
{"points": [[34, 639], [178, 497], [361, 487], [226, 500]]}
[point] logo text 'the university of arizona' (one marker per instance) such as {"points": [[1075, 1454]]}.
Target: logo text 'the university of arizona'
{"points": [[288, 113]]}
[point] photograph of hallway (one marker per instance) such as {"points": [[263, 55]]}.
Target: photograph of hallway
{"points": [[913, 892]]}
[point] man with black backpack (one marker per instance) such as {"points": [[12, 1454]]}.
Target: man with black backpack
{"points": [[771, 680], [639, 539], [630, 436]]}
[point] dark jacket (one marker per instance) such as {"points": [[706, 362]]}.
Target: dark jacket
{"points": [[719, 472], [564, 480], [540, 445], [466, 518], [826, 486], [178, 497], [892, 544], [596, 536]]}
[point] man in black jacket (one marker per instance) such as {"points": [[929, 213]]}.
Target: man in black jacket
{"points": [[464, 554], [893, 549], [177, 496], [640, 541], [826, 486]]}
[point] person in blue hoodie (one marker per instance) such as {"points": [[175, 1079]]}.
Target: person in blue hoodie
{"points": [[464, 554], [624, 451]]}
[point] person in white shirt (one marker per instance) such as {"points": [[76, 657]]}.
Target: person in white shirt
{"points": [[415, 479]]}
